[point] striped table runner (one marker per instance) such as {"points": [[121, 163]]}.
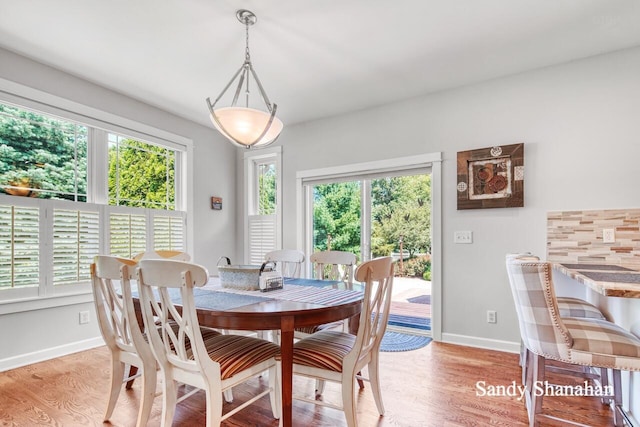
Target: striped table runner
{"points": [[306, 294]]}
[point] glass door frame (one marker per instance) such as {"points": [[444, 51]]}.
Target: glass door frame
{"points": [[359, 171]]}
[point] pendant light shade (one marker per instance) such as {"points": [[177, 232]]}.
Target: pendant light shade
{"points": [[244, 126]]}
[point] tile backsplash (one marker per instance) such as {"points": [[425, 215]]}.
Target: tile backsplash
{"points": [[576, 236]]}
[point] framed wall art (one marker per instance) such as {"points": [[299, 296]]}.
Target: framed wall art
{"points": [[216, 203], [491, 177]]}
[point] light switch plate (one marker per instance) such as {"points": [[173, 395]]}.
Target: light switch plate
{"points": [[463, 237]]}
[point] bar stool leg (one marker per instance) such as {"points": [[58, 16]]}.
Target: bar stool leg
{"points": [[617, 398]]}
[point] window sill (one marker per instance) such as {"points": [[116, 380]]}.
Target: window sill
{"points": [[40, 303]]}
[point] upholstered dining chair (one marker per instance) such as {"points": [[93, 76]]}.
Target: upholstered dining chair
{"points": [[339, 356], [584, 342], [289, 262], [121, 332], [214, 362]]}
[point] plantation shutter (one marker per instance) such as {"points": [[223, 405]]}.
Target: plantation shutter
{"points": [[169, 233], [19, 246], [262, 237], [76, 241], [128, 234]]}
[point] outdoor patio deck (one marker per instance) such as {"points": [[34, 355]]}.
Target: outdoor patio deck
{"points": [[405, 288]]}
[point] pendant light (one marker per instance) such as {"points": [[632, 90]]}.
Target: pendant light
{"points": [[244, 126]]}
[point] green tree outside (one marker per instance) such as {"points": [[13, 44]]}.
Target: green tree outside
{"points": [[337, 214], [267, 189], [141, 175]]}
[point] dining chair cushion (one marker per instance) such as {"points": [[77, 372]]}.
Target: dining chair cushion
{"points": [[324, 350], [235, 353], [317, 328], [229, 349], [575, 307], [604, 341]]}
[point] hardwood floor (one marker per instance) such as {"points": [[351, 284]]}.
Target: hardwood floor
{"points": [[434, 386]]}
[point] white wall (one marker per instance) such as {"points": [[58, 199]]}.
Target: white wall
{"points": [[580, 128], [214, 174]]}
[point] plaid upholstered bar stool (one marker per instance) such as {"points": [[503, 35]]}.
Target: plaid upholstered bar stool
{"points": [[573, 341], [567, 307]]}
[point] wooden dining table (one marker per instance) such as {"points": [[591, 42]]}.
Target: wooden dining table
{"points": [[302, 302]]}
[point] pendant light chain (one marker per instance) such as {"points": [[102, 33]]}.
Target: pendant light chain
{"points": [[247, 57], [247, 60]]}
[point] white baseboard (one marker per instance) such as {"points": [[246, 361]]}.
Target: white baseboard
{"points": [[489, 344], [49, 353]]}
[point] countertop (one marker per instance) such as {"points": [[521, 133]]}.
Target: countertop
{"points": [[610, 280]]}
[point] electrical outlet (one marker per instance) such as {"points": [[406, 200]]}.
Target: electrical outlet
{"points": [[608, 235], [83, 317], [464, 237], [492, 316]]}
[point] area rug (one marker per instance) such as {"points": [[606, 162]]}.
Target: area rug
{"points": [[422, 299], [409, 322], [396, 341]]}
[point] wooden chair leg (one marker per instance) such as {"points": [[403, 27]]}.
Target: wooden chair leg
{"points": [[374, 379], [132, 371], [349, 401], [117, 375], [214, 409], [169, 399], [149, 382], [275, 397]]}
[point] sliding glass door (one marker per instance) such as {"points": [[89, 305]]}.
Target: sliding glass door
{"points": [[376, 216]]}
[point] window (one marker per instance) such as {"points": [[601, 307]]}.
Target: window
{"points": [[41, 156], [140, 174], [263, 207], [70, 191]]}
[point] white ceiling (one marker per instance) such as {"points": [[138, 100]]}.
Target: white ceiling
{"points": [[314, 58]]}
